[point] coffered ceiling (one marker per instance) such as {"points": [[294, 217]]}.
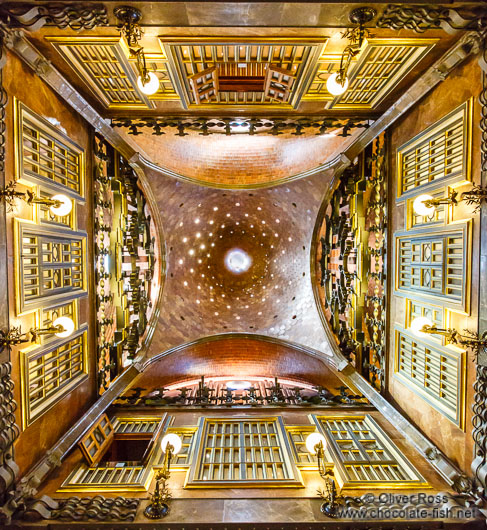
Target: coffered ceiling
{"points": [[232, 58]]}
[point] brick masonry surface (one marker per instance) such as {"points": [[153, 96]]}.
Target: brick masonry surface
{"points": [[273, 226]]}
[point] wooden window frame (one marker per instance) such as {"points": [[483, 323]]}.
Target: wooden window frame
{"points": [[195, 480], [30, 414], [384, 442]]}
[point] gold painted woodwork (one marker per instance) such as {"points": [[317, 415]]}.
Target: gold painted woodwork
{"points": [[30, 270], [449, 259], [379, 67], [195, 479], [439, 155], [189, 57], [103, 64], [46, 156], [53, 370], [435, 373], [365, 437]]}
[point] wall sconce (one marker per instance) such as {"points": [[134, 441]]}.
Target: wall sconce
{"points": [[171, 445], [315, 444], [62, 327], [426, 205], [129, 17], [422, 327], [337, 83], [59, 204]]}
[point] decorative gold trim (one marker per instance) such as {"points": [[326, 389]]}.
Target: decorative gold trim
{"points": [[21, 110], [340, 468], [58, 298], [27, 416], [465, 111], [178, 74], [192, 482], [454, 353], [465, 226], [122, 54]]}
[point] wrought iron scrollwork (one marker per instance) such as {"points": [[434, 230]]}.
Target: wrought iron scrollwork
{"points": [[422, 17], [230, 126], [351, 260], [209, 394], [74, 16]]}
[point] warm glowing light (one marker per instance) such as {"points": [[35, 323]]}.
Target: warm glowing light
{"points": [[334, 86], [237, 261], [64, 208], [238, 385], [420, 207], [174, 440], [67, 324], [313, 440], [418, 324], [149, 87]]}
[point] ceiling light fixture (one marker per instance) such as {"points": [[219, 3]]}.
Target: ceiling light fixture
{"points": [[147, 82], [59, 204], [338, 82]]}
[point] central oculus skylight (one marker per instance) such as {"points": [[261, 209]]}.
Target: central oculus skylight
{"points": [[237, 261]]}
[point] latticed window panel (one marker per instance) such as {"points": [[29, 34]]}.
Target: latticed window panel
{"points": [[50, 264], [245, 451], [103, 64], [97, 439], [135, 425], [440, 153], [364, 455], [433, 373], [45, 154], [297, 437], [420, 309], [50, 373], [433, 266], [108, 477]]}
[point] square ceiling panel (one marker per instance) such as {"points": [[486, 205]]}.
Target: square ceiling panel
{"points": [[269, 72], [376, 71]]}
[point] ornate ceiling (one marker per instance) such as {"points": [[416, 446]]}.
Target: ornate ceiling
{"points": [[258, 58], [273, 227]]}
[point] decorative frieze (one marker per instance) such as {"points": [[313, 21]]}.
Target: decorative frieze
{"points": [[32, 17], [241, 125]]}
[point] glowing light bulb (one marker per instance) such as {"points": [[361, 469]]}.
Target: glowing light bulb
{"points": [[149, 87], [418, 324], [67, 324], [334, 86], [174, 440], [420, 207], [64, 208], [313, 440]]}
